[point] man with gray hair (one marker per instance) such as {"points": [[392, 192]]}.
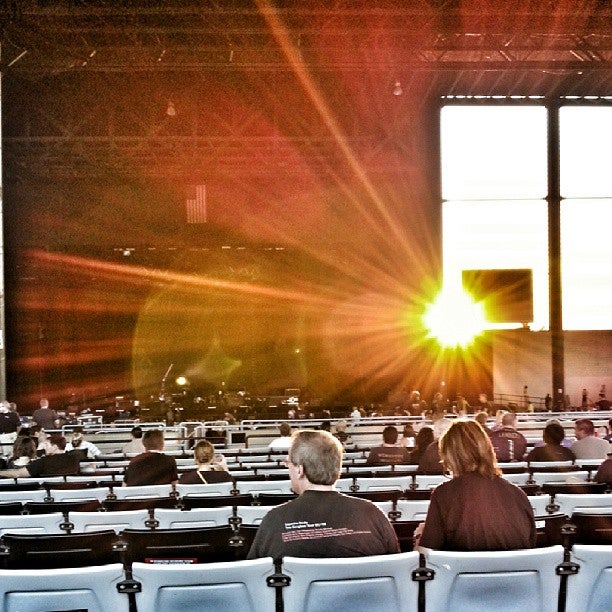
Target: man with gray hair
{"points": [[321, 522]]}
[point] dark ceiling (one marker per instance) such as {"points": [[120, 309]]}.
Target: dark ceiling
{"points": [[86, 84]]}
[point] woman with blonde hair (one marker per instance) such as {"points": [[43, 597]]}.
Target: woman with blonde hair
{"points": [[210, 468], [476, 509]]}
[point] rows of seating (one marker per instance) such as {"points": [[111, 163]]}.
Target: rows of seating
{"points": [[551, 579]]}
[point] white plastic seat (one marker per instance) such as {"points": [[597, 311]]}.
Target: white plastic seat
{"points": [[84, 588], [386, 483], [37, 495], [411, 510], [344, 484], [264, 486], [196, 517], [84, 522], [424, 481], [214, 587], [539, 503], [215, 488], [359, 584], [31, 523], [506, 581], [252, 515], [143, 492], [515, 465], [576, 502], [517, 479], [590, 590], [60, 495], [542, 477]]}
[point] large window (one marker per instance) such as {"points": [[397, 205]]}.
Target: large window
{"points": [[494, 213]]}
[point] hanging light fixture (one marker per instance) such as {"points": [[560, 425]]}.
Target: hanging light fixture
{"points": [[171, 109], [397, 89]]}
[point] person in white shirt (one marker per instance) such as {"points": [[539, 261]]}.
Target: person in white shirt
{"points": [[587, 445], [135, 445], [78, 442], [284, 441]]}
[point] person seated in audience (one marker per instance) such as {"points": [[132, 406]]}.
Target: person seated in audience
{"points": [[553, 450], [509, 444], [477, 509], [609, 430], [389, 453], [341, 433], [151, 467], [604, 473], [135, 445], [430, 461], [566, 442], [78, 442], [587, 444], [408, 436], [321, 521], [24, 451], [55, 462], [283, 442], [481, 419], [422, 441], [210, 468]]}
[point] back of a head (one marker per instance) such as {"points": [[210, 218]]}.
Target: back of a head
{"points": [[153, 439], [341, 426], [424, 438], [136, 432], [481, 417], [320, 455], [24, 446], [284, 429], [553, 434], [203, 452], [57, 440], [390, 434], [585, 425], [466, 447], [508, 419]]}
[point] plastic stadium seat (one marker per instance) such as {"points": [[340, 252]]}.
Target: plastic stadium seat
{"points": [[23, 496], [252, 515], [239, 586], [570, 503], [590, 590], [144, 491], [31, 523], [86, 522], [512, 581], [89, 588], [551, 466], [200, 517], [410, 510], [517, 479], [267, 486], [400, 483], [564, 477], [59, 495], [578, 488], [90, 505], [424, 481], [33, 551], [360, 584], [201, 545], [218, 488], [592, 528], [539, 504], [215, 501]]}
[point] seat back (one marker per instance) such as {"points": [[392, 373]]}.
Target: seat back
{"points": [[214, 488], [567, 477], [198, 517], [384, 483], [31, 523], [60, 495], [512, 581], [86, 522], [424, 481], [88, 588], [214, 501], [199, 545], [590, 590], [252, 515], [592, 528], [30, 551], [359, 584], [268, 486], [35, 495], [570, 503], [143, 491], [215, 587]]}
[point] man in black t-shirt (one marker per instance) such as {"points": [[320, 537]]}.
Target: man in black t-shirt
{"points": [[321, 522], [388, 453], [151, 467], [55, 462]]}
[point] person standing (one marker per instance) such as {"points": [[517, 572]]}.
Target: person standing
{"points": [[45, 417]]}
